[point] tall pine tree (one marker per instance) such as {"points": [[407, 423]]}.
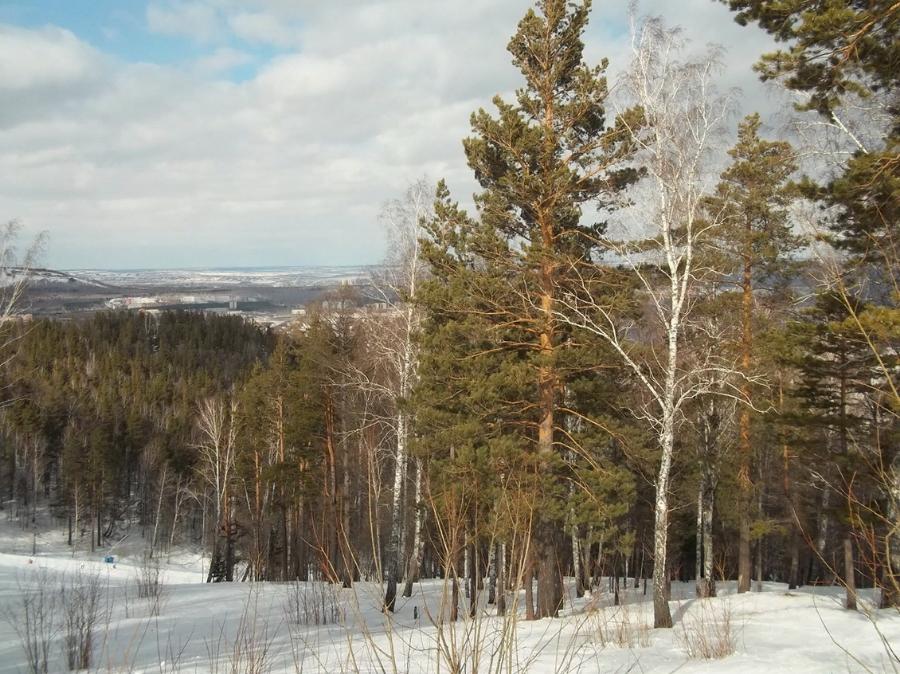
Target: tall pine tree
{"points": [[755, 235], [539, 161]]}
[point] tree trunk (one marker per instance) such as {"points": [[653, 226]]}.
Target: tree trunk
{"points": [[529, 588], [662, 617], [393, 552], [791, 499], [229, 541], [794, 575], [745, 442], [418, 544], [467, 570], [708, 559], [77, 523], [331, 521], [849, 574], [549, 591], [501, 579], [492, 575], [598, 566], [549, 582], [616, 599], [761, 540], [661, 614], [474, 573], [698, 546], [821, 564], [890, 582], [759, 564], [576, 565], [159, 500], [454, 597]]}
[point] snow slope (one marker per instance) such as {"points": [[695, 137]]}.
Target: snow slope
{"points": [[221, 628]]}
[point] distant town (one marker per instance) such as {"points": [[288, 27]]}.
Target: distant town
{"points": [[276, 298]]}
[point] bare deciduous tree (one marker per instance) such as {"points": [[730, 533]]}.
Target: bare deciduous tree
{"points": [[393, 345], [682, 115], [216, 445]]}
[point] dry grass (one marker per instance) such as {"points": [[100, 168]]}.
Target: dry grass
{"points": [[32, 615], [622, 626], [83, 611], [150, 584], [313, 603], [708, 632], [249, 652]]}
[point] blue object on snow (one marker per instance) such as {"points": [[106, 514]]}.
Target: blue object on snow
{"points": [[109, 559]]}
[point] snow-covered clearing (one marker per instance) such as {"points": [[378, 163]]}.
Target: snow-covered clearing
{"points": [[243, 627]]}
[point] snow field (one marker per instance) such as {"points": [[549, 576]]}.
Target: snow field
{"points": [[271, 627]]}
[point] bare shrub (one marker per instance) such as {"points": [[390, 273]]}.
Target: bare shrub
{"points": [[249, 651], [81, 601], [171, 654], [620, 626], [313, 603], [33, 618], [708, 634], [150, 583]]}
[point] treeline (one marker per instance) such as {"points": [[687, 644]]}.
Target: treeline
{"points": [[611, 368]]}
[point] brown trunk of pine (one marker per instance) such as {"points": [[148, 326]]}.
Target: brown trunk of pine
{"points": [[549, 591], [849, 574], [794, 569], [746, 448]]}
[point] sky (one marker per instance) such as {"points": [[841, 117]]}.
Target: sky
{"points": [[211, 133]]}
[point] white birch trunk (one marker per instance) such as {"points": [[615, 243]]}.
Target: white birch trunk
{"points": [[418, 546], [159, 500]]}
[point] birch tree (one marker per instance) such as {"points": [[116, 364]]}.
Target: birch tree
{"points": [[216, 447], [395, 352], [682, 116]]}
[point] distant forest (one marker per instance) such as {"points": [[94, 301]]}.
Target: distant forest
{"points": [[622, 363]]}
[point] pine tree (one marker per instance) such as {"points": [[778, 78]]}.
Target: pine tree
{"points": [[539, 161], [840, 53], [847, 439], [755, 235]]}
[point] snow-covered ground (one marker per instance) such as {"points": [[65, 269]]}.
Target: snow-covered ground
{"points": [[243, 627]]}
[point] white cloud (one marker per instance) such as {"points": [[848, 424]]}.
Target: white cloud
{"points": [[136, 165], [195, 20], [47, 58], [262, 28], [222, 60]]}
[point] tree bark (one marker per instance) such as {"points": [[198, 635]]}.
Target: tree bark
{"points": [[890, 581], [698, 546], [529, 588], [849, 574], [662, 617], [501, 579], [418, 545], [794, 574], [576, 564], [745, 442]]}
